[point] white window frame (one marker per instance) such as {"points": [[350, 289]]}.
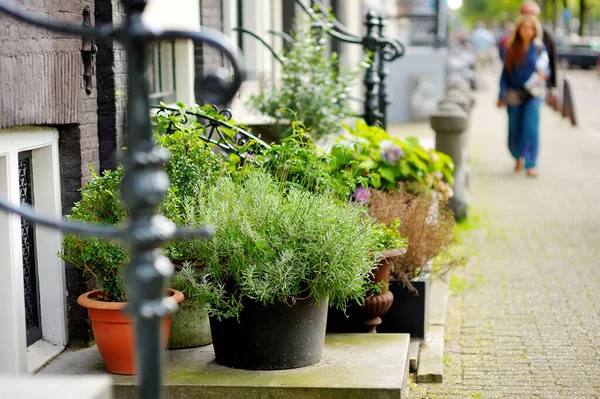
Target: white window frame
{"points": [[16, 357]]}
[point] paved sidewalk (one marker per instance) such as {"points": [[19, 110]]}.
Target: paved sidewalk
{"points": [[524, 319]]}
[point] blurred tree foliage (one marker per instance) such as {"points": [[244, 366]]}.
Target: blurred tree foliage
{"points": [[502, 10]]}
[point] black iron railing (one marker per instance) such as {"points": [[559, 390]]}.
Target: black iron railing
{"points": [[219, 130], [145, 182]]}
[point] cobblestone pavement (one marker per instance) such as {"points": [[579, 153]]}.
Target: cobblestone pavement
{"points": [[524, 315]]}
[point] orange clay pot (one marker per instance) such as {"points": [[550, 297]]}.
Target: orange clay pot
{"points": [[113, 331]]}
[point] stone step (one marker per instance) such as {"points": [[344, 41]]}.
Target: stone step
{"points": [[431, 358], [353, 366]]}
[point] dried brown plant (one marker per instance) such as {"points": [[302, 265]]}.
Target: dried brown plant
{"points": [[426, 222]]}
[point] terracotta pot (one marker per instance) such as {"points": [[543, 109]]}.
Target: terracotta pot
{"points": [[113, 331]]}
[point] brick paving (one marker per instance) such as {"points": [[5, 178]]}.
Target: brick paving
{"points": [[524, 317]]}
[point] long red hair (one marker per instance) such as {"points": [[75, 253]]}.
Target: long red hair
{"points": [[515, 54]]}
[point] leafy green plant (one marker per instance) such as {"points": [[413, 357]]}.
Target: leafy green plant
{"points": [[371, 150], [192, 162], [390, 237], [298, 162], [275, 244], [99, 204], [314, 84]]}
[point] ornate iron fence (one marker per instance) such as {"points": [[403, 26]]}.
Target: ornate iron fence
{"points": [[219, 130], [382, 48], [145, 182]]}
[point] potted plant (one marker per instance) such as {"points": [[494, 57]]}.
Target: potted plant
{"points": [[428, 225], [389, 245], [279, 257], [191, 161], [190, 327], [296, 161], [314, 86], [370, 150], [113, 329]]}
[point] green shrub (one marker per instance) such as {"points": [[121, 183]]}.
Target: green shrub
{"points": [[297, 162], [274, 245], [388, 236], [192, 162]]}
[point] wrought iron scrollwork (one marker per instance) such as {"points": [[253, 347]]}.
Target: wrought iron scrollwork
{"points": [[214, 124], [145, 182]]}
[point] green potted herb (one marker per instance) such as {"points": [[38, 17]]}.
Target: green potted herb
{"points": [[298, 162], [113, 329], [388, 246], [279, 256]]}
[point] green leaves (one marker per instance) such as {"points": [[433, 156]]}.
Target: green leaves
{"points": [[370, 150], [192, 162], [314, 85], [273, 243]]}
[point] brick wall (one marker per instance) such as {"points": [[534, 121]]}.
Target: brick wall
{"points": [[208, 59], [41, 83]]}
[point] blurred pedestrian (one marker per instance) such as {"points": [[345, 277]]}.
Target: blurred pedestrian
{"points": [[531, 8], [522, 89], [482, 43]]}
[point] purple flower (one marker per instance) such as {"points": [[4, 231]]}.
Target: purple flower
{"points": [[362, 194], [390, 152]]}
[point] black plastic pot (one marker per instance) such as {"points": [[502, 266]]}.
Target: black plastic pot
{"points": [[409, 313], [352, 320], [272, 337]]}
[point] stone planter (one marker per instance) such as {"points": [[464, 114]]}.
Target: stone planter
{"points": [[409, 313], [190, 327], [272, 337]]}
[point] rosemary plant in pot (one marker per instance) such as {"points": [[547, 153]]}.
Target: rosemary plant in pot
{"points": [[279, 256]]}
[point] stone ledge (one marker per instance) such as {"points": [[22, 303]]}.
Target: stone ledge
{"points": [[353, 366]]}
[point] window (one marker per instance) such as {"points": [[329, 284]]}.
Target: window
{"points": [[161, 72]]}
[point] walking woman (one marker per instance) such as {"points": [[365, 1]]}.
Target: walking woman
{"points": [[522, 89]]}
